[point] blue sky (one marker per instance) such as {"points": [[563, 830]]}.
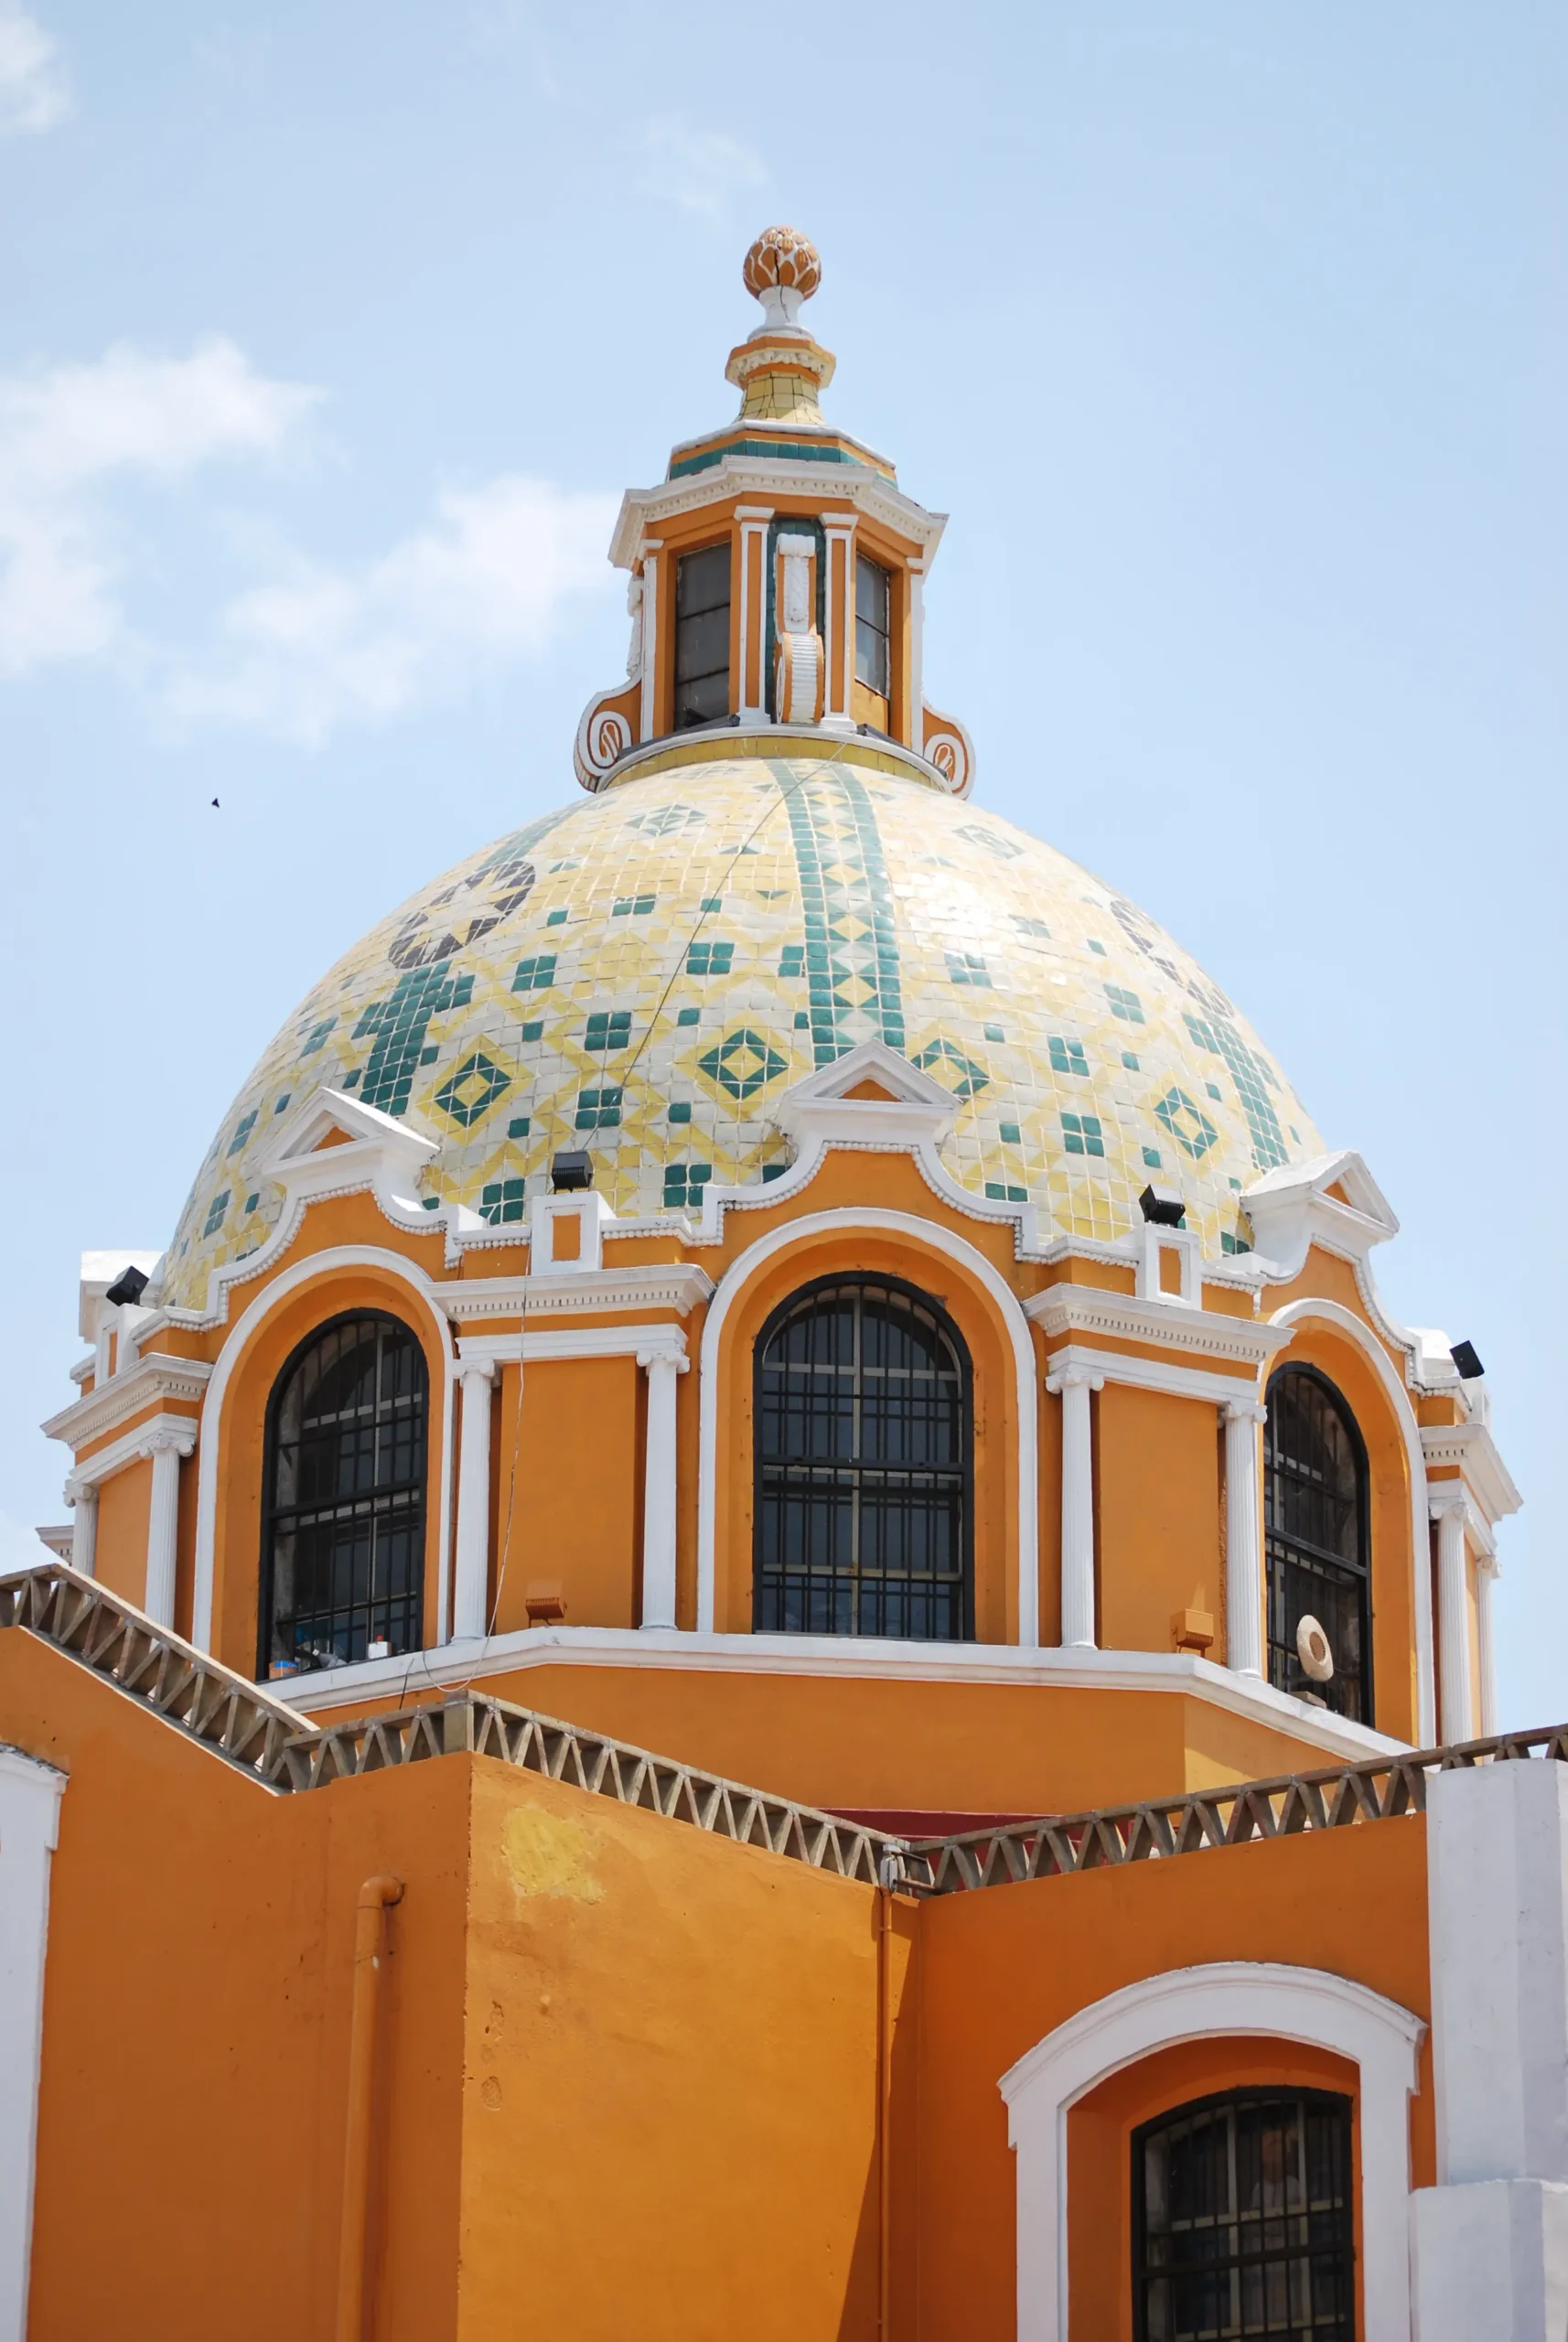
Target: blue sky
{"points": [[1231, 338]]}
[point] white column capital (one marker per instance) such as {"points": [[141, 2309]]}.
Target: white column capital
{"points": [[1073, 1378], [1447, 1495], [1246, 1411], [163, 1436], [79, 1491], [481, 1369], [648, 1360]]}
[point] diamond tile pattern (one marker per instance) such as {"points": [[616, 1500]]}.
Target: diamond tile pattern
{"points": [[786, 909]]}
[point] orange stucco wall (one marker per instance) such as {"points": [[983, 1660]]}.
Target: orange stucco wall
{"points": [[195, 2029], [999, 1969], [617, 2055], [124, 1504], [568, 1493], [1159, 1539], [869, 1742]]}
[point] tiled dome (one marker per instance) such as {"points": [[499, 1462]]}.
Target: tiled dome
{"points": [[645, 972]]}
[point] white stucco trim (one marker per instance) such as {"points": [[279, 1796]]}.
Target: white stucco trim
{"points": [[133, 1447], [850, 1659], [1153, 1374], [573, 1342], [29, 1830], [1310, 1311], [1231, 1998], [931, 1237], [337, 1259]]}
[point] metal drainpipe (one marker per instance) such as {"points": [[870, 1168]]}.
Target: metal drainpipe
{"points": [[884, 2102], [369, 1943]]}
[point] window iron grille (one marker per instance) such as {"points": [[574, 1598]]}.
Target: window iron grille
{"points": [[1315, 1539], [863, 1466], [1243, 2222], [343, 1549]]}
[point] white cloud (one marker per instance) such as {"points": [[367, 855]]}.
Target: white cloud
{"points": [[33, 92], [65, 435], [324, 646], [699, 171]]}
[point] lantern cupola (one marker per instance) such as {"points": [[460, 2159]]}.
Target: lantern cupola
{"points": [[776, 573]]}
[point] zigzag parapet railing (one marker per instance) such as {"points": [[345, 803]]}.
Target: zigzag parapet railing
{"points": [[268, 1741], [1341, 1797]]}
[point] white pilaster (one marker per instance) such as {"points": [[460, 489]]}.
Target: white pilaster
{"points": [[651, 648], [660, 1487], [1491, 2239], [1448, 1505], [471, 1563], [839, 533], [1077, 1503], [165, 1446], [916, 732], [751, 684], [1243, 1540], [1486, 1655], [29, 1829], [83, 1497]]}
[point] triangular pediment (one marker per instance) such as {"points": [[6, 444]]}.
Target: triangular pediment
{"points": [[1340, 1178], [1332, 1200], [330, 1119], [873, 1074], [872, 1096]]}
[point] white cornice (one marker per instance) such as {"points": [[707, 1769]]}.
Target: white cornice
{"points": [[1470, 1449], [146, 1385], [1152, 1374], [850, 1658], [651, 509], [1085, 1309], [178, 1431], [674, 1284], [572, 1342]]}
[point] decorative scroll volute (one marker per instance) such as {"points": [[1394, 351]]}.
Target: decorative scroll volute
{"points": [[946, 744], [801, 663], [607, 729]]}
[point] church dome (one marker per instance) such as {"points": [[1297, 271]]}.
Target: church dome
{"points": [[645, 973]]}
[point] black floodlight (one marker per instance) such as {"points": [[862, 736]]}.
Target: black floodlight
{"points": [[571, 1170], [1165, 1210], [129, 1285], [1464, 1356]]}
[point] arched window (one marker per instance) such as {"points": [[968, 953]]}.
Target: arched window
{"points": [[1314, 1522], [343, 1543], [864, 1460], [1243, 2219]]}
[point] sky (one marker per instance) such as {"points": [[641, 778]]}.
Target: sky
{"points": [[1230, 336]]}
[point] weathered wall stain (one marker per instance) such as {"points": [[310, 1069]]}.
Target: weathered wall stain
{"points": [[548, 1855]]}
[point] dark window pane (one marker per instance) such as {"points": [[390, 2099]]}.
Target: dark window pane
{"points": [[864, 1460], [1243, 2219], [343, 1561], [1316, 1532], [872, 624], [702, 637]]}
